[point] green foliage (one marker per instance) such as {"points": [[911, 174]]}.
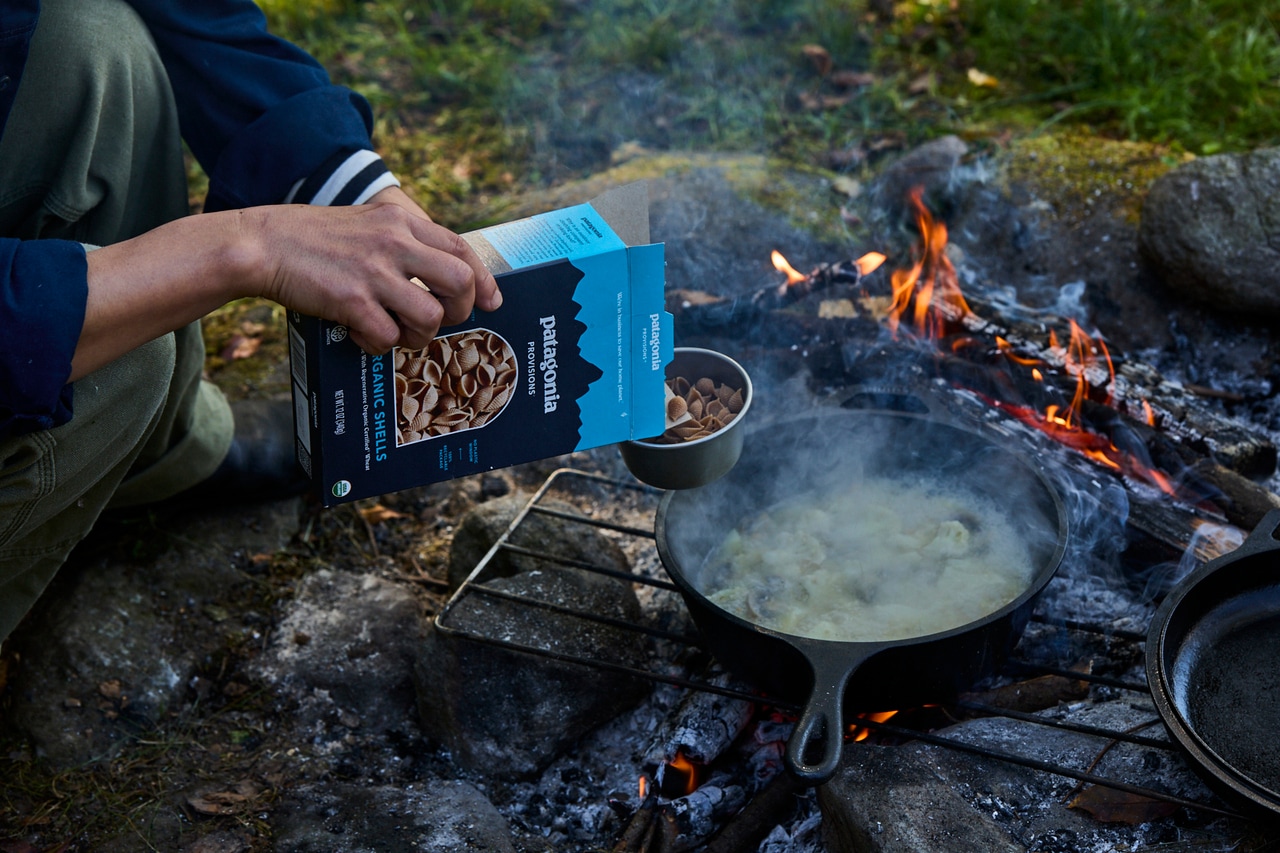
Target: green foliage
{"points": [[1202, 73]]}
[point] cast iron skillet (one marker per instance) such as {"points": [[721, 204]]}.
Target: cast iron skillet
{"points": [[812, 455], [1213, 665]]}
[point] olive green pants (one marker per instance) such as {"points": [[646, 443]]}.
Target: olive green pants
{"points": [[92, 153]]}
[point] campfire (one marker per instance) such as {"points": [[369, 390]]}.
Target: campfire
{"points": [[1145, 457]]}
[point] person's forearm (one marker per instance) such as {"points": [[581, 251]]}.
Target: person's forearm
{"points": [[160, 281], [384, 270]]}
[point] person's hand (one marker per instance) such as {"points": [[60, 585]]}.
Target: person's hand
{"points": [[385, 270]]}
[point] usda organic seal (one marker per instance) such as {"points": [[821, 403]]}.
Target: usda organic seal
{"points": [[341, 488]]}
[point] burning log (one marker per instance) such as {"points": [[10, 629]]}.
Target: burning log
{"points": [[701, 727]]}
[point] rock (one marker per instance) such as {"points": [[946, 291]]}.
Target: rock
{"points": [[886, 800], [484, 524], [933, 166], [504, 712], [1212, 230], [917, 796], [433, 817], [113, 644], [352, 637]]}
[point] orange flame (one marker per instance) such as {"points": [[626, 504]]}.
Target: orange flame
{"points": [[930, 283], [866, 265], [781, 264], [861, 733], [643, 788], [870, 262], [687, 769]]}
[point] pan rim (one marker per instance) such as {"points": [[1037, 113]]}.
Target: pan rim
{"points": [[1040, 578], [1162, 655]]}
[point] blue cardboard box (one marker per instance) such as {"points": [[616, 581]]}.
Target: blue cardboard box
{"points": [[574, 359]]}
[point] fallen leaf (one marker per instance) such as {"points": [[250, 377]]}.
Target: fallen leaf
{"points": [[110, 689], [819, 57], [847, 186], [983, 79], [1111, 806], [923, 84], [211, 801], [378, 513]]}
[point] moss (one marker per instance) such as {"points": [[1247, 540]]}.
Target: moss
{"points": [[1078, 172]]}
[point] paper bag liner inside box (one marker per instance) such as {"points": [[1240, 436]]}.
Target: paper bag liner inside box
{"points": [[574, 359]]}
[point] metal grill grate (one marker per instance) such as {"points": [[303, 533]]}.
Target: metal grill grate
{"points": [[674, 643]]}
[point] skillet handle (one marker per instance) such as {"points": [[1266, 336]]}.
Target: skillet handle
{"points": [[823, 718]]}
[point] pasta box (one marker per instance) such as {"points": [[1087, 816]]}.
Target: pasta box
{"points": [[573, 359]]}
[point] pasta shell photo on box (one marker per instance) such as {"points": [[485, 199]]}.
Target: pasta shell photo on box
{"points": [[458, 382]]}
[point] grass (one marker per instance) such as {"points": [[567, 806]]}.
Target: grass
{"points": [[484, 98], [1203, 75]]}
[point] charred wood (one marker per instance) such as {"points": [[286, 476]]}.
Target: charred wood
{"points": [[701, 727], [746, 830]]}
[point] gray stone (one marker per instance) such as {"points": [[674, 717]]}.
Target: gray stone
{"points": [[922, 797], [886, 800], [934, 167], [506, 712], [432, 817], [352, 637], [488, 521], [1211, 228], [113, 644]]}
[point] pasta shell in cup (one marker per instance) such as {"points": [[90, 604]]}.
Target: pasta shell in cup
{"points": [[703, 448]]}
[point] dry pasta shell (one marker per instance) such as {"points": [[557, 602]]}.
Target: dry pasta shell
{"points": [[409, 407], [421, 421], [415, 366], [505, 377], [481, 419], [401, 358], [467, 386], [705, 386], [499, 400], [482, 398], [430, 397], [485, 372], [467, 358], [676, 408], [433, 372], [679, 386], [695, 405], [735, 402]]}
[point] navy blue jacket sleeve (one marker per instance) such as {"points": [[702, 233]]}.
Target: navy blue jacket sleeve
{"points": [[259, 113], [42, 298], [263, 119]]}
